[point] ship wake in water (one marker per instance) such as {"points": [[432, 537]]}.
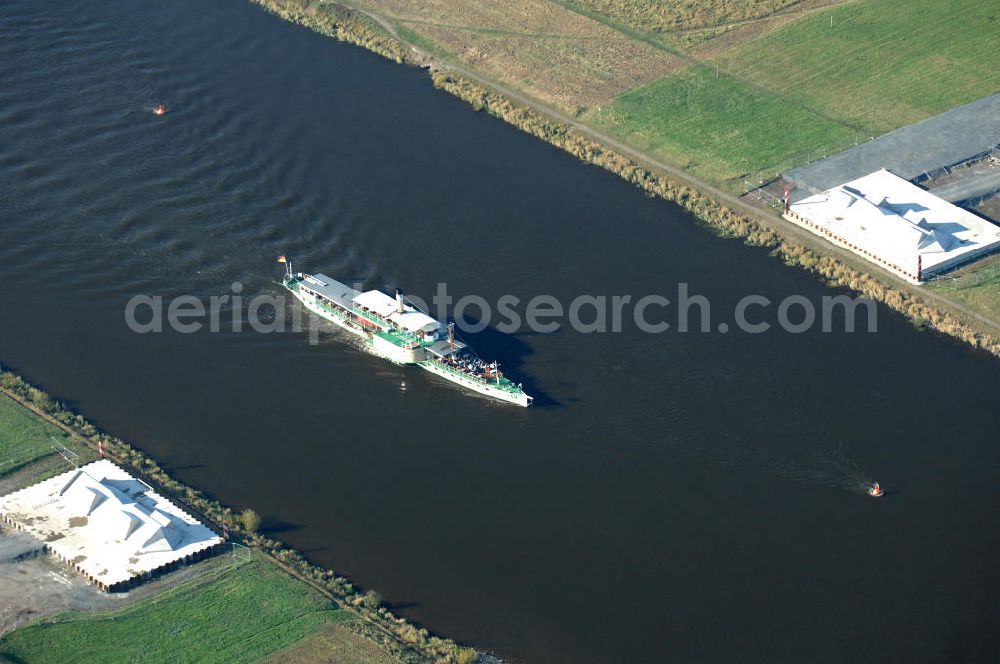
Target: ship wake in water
{"points": [[820, 465]]}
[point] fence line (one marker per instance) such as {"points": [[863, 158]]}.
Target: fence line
{"points": [[962, 281], [762, 195], [69, 455]]}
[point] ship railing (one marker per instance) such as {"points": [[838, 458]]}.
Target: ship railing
{"points": [[368, 316], [334, 310], [504, 383], [409, 338], [401, 334]]}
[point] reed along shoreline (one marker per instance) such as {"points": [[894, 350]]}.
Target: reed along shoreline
{"points": [[355, 27]]}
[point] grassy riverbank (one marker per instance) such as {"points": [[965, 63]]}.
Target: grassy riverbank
{"points": [[977, 285], [517, 103], [273, 600]]}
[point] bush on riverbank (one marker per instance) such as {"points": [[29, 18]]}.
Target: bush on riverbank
{"points": [[250, 521], [407, 642], [339, 22]]}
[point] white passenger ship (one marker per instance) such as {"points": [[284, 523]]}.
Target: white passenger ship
{"points": [[397, 331]]}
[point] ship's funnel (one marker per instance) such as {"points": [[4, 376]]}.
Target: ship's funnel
{"points": [[451, 336], [399, 301]]}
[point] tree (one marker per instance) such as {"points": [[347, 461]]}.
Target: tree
{"points": [[250, 521], [372, 600], [466, 656]]}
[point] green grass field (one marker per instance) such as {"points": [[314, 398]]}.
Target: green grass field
{"points": [[24, 438], [244, 614], [878, 64], [718, 127], [806, 90]]}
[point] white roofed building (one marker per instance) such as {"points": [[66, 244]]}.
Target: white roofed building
{"points": [[111, 527], [897, 225]]}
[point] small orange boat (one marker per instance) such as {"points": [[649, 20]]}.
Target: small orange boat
{"points": [[160, 110], [875, 491]]}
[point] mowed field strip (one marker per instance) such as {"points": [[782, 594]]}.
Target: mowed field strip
{"points": [[719, 128]]}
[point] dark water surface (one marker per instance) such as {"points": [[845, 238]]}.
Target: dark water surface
{"points": [[676, 497]]}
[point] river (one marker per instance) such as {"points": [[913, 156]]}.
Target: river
{"points": [[673, 497]]}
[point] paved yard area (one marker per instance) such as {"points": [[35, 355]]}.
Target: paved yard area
{"points": [[33, 585], [913, 152], [976, 187]]}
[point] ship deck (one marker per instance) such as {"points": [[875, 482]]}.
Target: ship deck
{"points": [[331, 289], [504, 384], [343, 296]]}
